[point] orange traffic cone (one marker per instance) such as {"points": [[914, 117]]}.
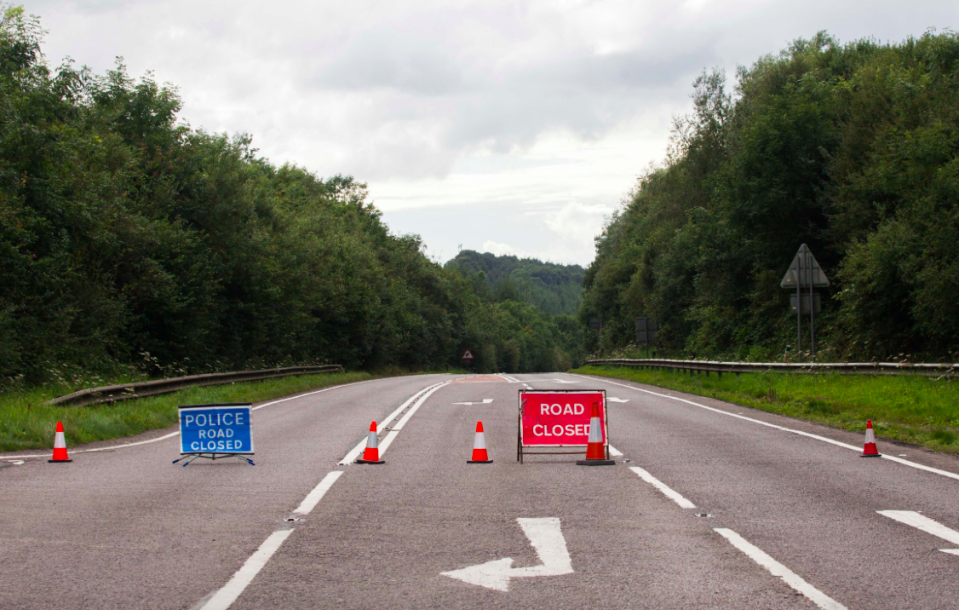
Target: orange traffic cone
{"points": [[59, 446], [869, 449], [372, 453], [479, 447], [595, 448]]}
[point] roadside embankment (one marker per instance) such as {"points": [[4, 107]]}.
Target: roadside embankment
{"points": [[913, 409], [25, 423]]}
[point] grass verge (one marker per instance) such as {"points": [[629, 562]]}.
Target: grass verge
{"points": [[914, 409], [25, 424]]}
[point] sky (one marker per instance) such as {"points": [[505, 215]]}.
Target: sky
{"points": [[503, 127]]}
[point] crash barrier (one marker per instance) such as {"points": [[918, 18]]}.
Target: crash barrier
{"points": [[859, 368], [113, 393]]}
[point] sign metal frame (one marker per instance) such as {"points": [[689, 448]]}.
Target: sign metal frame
{"points": [[521, 449], [214, 455]]}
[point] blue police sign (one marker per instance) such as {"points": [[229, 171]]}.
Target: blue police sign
{"points": [[216, 429]]}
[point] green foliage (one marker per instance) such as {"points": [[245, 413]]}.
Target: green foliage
{"points": [[556, 289], [914, 409], [850, 149], [133, 244]]}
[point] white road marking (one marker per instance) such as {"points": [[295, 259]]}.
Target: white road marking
{"points": [[944, 473], [311, 500], [486, 401], [355, 452], [177, 433], [225, 597], [613, 399], [924, 523], [669, 493], [613, 451], [777, 569], [546, 537], [508, 378]]}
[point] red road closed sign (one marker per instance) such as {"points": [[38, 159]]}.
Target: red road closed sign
{"points": [[558, 418]]}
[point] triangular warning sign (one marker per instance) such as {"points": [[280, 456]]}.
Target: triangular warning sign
{"points": [[467, 355], [804, 269]]}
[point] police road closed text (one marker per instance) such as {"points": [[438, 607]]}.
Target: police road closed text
{"points": [[215, 429]]}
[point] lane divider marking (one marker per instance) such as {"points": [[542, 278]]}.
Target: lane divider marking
{"points": [[224, 598], [666, 491], [355, 452], [777, 569], [925, 524], [314, 497], [177, 433], [898, 460], [613, 451]]}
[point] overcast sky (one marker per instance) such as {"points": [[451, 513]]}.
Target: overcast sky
{"points": [[508, 127]]}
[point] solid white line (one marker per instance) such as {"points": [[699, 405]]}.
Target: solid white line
{"points": [[777, 569], [177, 433], [311, 500], [386, 442], [613, 451], [669, 493], [922, 522], [355, 452], [415, 407], [898, 460], [225, 597]]}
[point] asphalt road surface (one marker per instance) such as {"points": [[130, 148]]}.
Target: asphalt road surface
{"points": [[710, 505]]}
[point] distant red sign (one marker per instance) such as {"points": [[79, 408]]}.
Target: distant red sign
{"points": [[559, 418], [468, 355]]}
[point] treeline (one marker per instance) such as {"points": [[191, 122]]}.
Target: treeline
{"points": [[556, 289], [130, 239], [851, 149]]}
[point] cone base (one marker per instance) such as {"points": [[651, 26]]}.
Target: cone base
{"points": [[58, 461], [370, 462], [595, 462], [479, 461], [871, 455]]}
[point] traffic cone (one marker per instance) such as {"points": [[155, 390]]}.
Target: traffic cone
{"points": [[479, 447], [59, 446], [869, 449], [372, 453], [595, 450]]}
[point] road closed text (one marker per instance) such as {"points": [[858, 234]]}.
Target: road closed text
{"points": [[216, 429], [559, 418]]}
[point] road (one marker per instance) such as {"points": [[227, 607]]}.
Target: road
{"points": [[710, 505]]}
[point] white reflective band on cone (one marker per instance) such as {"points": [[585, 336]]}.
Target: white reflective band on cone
{"points": [[59, 442], [595, 430], [870, 436], [371, 440], [480, 442]]}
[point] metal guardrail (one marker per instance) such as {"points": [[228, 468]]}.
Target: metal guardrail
{"points": [[712, 366], [114, 393]]}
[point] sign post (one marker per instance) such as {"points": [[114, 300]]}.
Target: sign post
{"points": [[805, 272], [557, 421], [216, 431], [646, 332]]}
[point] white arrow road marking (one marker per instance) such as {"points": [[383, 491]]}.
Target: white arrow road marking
{"points": [[612, 399], [924, 523], [486, 401], [545, 535]]}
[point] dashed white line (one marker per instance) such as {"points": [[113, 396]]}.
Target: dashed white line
{"points": [[944, 473], [313, 498], [777, 569], [225, 597], [669, 493], [613, 451], [925, 524]]}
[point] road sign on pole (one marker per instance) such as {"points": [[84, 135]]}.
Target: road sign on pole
{"points": [[646, 332], [468, 357], [558, 419], [805, 272]]}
